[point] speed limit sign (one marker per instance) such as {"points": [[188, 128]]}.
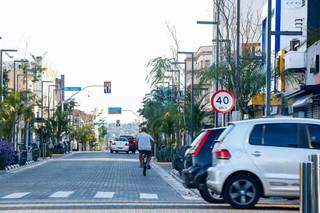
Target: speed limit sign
{"points": [[223, 101]]}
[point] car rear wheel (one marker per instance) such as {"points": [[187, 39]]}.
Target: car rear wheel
{"points": [[208, 195], [242, 191]]}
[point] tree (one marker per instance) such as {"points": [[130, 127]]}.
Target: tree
{"points": [[13, 109], [85, 135]]}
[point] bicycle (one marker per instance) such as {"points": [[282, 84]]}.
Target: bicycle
{"points": [[145, 164]]}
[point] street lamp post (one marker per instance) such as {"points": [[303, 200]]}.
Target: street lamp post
{"points": [[185, 92], [1, 72], [49, 99], [192, 89], [268, 76]]}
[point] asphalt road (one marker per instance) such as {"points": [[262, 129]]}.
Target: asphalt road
{"points": [[101, 182]]}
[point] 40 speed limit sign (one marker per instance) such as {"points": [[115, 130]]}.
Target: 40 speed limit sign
{"points": [[223, 101]]}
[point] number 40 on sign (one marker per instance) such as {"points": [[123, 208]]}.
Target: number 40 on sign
{"points": [[223, 101]]}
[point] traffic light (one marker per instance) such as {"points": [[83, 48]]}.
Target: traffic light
{"points": [[107, 87], [118, 123]]}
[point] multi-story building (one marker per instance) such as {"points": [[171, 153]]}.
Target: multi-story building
{"points": [[296, 56]]}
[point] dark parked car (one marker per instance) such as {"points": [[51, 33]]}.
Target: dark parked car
{"points": [[132, 143], [198, 158]]}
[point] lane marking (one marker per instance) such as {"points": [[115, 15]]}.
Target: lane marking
{"points": [[148, 196], [61, 194], [104, 195], [16, 195]]}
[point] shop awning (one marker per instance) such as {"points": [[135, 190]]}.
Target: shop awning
{"points": [[302, 102]]}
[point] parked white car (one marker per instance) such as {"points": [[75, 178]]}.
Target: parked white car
{"points": [[260, 158], [120, 144]]}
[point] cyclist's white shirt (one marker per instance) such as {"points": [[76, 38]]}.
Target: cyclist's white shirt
{"points": [[144, 141]]}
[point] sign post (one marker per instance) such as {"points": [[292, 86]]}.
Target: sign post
{"points": [[223, 101]]}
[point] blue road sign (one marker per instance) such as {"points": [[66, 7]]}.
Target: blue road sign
{"points": [[71, 89], [114, 110]]}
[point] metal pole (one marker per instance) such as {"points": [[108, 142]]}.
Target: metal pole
{"points": [[1, 77], [268, 75], [305, 187], [238, 56], [185, 101], [315, 160], [192, 97], [216, 115]]}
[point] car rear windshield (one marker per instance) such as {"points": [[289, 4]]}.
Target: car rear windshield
{"points": [[196, 141], [225, 132], [121, 139]]}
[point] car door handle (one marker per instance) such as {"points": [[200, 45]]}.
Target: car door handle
{"points": [[256, 154]]}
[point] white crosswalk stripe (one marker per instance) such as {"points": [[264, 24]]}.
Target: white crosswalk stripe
{"points": [[104, 195], [148, 196], [61, 194], [16, 195]]}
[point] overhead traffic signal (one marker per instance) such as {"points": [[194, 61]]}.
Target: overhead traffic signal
{"points": [[107, 87]]}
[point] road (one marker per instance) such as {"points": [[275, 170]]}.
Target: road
{"points": [[101, 182]]}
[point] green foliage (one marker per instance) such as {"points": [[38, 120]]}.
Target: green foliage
{"points": [[86, 134], [251, 79], [159, 67], [12, 109]]}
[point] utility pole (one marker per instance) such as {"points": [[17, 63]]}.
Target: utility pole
{"points": [[192, 90], [217, 55], [268, 76], [238, 70]]}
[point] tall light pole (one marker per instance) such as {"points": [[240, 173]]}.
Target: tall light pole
{"points": [[1, 71], [268, 76], [185, 92], [238, 58], [192, 89]]}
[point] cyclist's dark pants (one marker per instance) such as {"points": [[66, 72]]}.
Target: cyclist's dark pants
{"points": [[148, 153]]}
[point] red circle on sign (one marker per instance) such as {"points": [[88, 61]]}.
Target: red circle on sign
{"points": [[218, 93]]}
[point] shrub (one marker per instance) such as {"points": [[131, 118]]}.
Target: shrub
{"points": [[7, 154]]}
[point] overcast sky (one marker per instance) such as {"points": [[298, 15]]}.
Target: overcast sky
{"points": [[91, 41]]}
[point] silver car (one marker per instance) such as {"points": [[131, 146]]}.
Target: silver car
{"points": [[260, 158]]}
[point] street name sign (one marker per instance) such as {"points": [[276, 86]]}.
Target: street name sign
{"points": [[223, 101], [114, 110], [71, 89]]}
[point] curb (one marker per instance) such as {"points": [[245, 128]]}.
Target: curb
{"points": [[31, 164], [187, 194]]}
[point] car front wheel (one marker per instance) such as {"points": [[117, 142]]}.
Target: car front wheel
{"points": [[208, 195], [242, 191]]}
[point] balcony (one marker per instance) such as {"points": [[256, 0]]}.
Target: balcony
{"points": [[295, 61]]}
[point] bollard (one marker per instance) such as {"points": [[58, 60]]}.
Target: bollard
{"points": [[315, 205], [305, 187]]}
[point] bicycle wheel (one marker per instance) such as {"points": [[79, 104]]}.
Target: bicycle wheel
{"points": [[144, 169]]}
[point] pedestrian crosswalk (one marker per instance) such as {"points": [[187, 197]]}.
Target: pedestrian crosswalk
{"points": [[80, 194]]}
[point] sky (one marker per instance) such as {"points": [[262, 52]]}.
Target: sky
{"points": [[92, 41]]}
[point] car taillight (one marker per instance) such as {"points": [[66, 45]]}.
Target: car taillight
{"points": [[201, 144], [223, 154], [113, 143]]}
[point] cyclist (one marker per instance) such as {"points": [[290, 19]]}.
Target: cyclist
{"points": [[145, 142]]}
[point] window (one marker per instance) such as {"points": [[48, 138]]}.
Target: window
{"points": [[314, 133], [256, 135], [303, 137], [282, 135]]}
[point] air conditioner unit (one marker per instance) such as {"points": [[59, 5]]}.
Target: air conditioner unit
{"points": [[295, 60]]}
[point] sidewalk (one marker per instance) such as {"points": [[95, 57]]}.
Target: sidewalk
{"points": [[31, 164]]}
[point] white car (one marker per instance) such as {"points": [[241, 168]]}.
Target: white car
{"points": [[260, 158], [119, 145]]}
